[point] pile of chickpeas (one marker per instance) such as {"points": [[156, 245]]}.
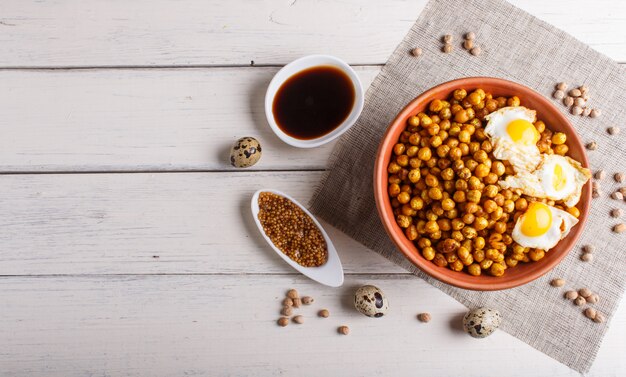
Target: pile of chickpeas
{"points": [[443, 185]]}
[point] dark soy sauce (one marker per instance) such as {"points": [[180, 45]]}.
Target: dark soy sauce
{"points": [[313, 102]]}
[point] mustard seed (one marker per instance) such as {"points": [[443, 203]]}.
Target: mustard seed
{"points": [[298, 319], [447, 48], [476, 51], [416, 51], [575, 93], [613, 130], [590, 313], [592, 146], [561, 86], [292, 293], [580, 301], [585, 292], [568, 101], [600, 174], [616, 212], [586, 257], [599, 317], [447, 39], [558, 94], [344, 330], [283, 321], [468, 44], [470, 36], [324, 313], [619, 228], [594, 298], [595, 113], [571, 295], [586, 112], [291, 230], [307, 300], [619, 177], [424, 317], [577, 110], [617, 195], [557, 282]]}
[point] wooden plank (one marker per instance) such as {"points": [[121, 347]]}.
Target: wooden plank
{"points": [[225, 325], [170, 119], [118, 223], [201, 32]]}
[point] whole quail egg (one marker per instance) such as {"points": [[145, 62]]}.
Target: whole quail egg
{"points": [[245, 152], [371, 301], [481, 322]]}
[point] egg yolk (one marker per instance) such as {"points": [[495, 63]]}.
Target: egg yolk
{"points": [[559, 179], [537, 220], [522, 131]]}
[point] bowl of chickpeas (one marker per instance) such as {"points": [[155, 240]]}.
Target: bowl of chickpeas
{"points": [[436, 185]]}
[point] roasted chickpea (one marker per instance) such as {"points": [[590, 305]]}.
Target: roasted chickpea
{"points": [[473, 196], [404, 197], [414, 121], [407, 210], [497, 269], [561, 149], [513, 101], [455, 153], [414, 175], [474, 269], [521, 204], [464, 136], [438, 259], [479, 243], [491, 178], [403, 221], [468, 218], [486, 146], [424, 154], [474, 183], [461, 116], [435, 193], [431, 180], [459, 94], [428, 253], [459, 196], [481, 223], [464, 149], [444, 224], [399, 148], [411, 232], [559, 138], [574, 211], [469, 232], [536, 254], [509, 206], [412, 151], [498, 168], [499, 227], [394, 189], [447, 204], [460, 185], [415, 162], [471, 208], [402, 160]]}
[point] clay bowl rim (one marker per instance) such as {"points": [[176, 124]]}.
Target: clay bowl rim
{"points": [[410, 251]]}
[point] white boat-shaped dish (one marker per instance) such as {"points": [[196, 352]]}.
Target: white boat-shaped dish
{"points": [[330, 273]]}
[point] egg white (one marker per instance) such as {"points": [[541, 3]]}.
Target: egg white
{"points": [[539, 182], [562, 223], [521, 157]]}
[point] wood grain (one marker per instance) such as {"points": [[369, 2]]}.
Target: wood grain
{"points": [[121, 223], [157, 119], [201, 32], [225, 325]]}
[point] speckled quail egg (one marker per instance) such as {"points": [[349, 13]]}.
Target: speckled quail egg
{"points": [[481, 322], [245, 152], [371, 301]]}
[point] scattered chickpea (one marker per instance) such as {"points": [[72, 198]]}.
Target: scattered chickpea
{"points": [[298, 319], [583, 89], [476, 50], [585, 292], [283, 321], [468, 44], [586, 257], [561, 86], [307, 300], [447, 48], [619, 228], [292, 294], [594, 113], [297, 302], [576, 110], [558, 94], [617, 195], [600, 174], [286, 311], [619, 177], [416, 51], [580, 102], [590, 313], [470, 36], [287, 302], [580, 301], [447, 39], [592, 146], [324, 313], [424, 317], [599, 318], [586, 111], [571, 295], [622, 190], [589, 249], [575, 92], [557, 282], [594, 298], [344, 330], [568, 101], [596, 193], [616, 212], [613, 130]]}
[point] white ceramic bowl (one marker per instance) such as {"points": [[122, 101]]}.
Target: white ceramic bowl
{"points": [[302, 64], [330, 273]]}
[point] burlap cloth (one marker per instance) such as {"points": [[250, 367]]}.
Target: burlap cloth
{"points": [[518, 47]]}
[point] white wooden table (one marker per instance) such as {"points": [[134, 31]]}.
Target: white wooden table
{"points": [[126, 242]]}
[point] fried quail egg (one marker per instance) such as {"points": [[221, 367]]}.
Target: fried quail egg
{"points": [[556, 178], [514, 137], [542, 226]]}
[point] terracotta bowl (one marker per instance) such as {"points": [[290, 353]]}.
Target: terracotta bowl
{"points": [[523, 272]]}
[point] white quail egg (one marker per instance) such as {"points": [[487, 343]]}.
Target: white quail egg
{"points": [[481, 322], [245, 152], [371, 301]]}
